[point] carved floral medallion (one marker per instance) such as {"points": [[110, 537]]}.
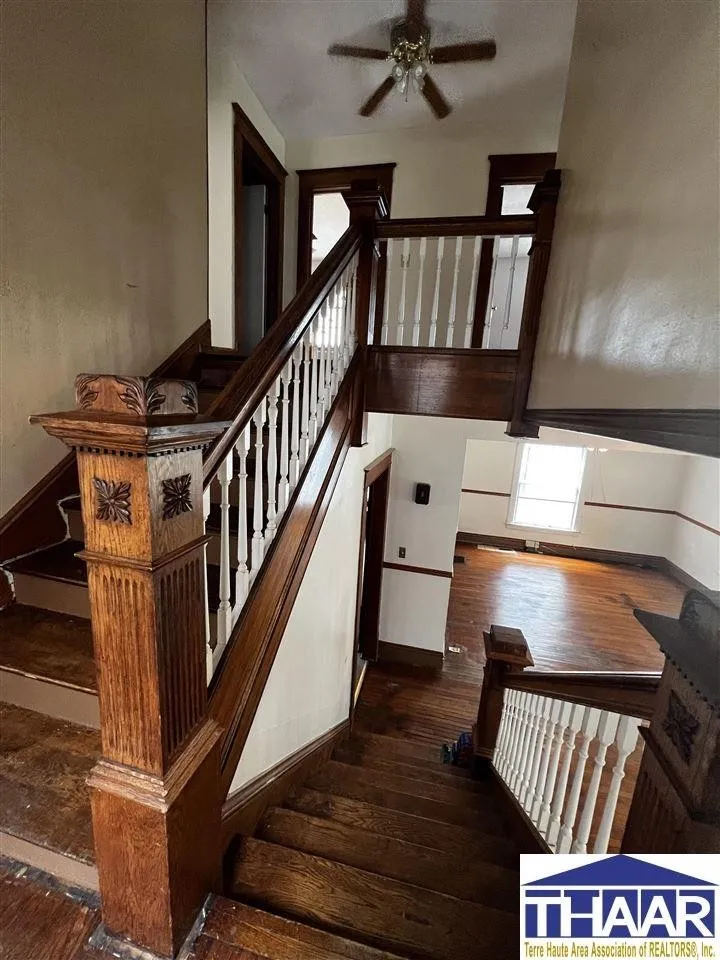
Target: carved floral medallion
{"points": [[680, 726], [112, 500], [176, 496], [142, 395], [85, 392]]}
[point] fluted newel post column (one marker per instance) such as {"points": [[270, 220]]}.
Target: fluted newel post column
{"points": [[156, 789], [543, 203], [506, 651], [367, 204]]}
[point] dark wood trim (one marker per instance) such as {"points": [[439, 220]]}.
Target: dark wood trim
{"points": [[458, 227], [378, 466], [486, 540], [523, 831], [568, 550], [248, 144], [413, 656], [486, 493], [672, 570], [35, 521], [633, 694], [242, 673], [694, 431], [428, 571], [244, 808], [331, 180], [625, 506], [474, 384]]}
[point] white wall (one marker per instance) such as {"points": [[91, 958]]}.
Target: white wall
{"points": [[694, 549], [308, 690], [226, 84], [630, 315], [104, 209]]}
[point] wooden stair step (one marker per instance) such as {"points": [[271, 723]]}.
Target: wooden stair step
{"points": [[440, 773], [407, 751], [455, 875], [54, 563], [379, 911], [400, 825], [435, 801], [269, 936], [47, 645], [44, 764]]}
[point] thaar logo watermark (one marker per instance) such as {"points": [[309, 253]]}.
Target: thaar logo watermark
{"points": [[620, 906]]}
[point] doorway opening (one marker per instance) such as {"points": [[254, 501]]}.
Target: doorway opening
{"points": [[259, 216], [376, 495]]}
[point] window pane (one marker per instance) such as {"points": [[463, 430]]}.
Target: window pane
{"points": [[515, 198], [545, 513], [330, 220], [548, 486]]}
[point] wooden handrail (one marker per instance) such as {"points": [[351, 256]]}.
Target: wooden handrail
{"points": [[632, 694], [525, 225], [247, 388]]}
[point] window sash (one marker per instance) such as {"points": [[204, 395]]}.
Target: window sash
{"points": [[548, 487]]}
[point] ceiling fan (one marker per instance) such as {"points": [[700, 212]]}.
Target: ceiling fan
{"points": [[411, 55]]}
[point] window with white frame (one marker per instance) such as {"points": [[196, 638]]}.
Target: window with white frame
{"points": [[547, 487]]}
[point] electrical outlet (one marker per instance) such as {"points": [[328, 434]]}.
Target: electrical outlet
{"points": [[401, 552]]}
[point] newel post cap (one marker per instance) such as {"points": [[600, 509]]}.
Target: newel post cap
{"points": [[508, 645], [137, 415], [367, 201]]}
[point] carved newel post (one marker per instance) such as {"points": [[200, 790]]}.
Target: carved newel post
{"points": [[156, 789], [676, 803], [506, 651]]}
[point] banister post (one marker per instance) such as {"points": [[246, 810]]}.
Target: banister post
{"points": [[543, 203], [506, 651], [155, 791], [676, 803], [367, 204]]}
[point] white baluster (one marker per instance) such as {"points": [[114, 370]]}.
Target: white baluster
{"points": [[284, 488], [522, 742], [342, 323], [591, 718], [350, 325], [510, 729], [576, 715], [224, 613], [534, 722], [490, 308], [453, 296], [515, 740], [547, 748], [295, 431], [258, 542], [314, 347], [209, 663], [511, 283], [625, 741], [470, 320], [305, 411], [549, 790], [242, 574], [499, 751], [418, 297], [436, 294], [271, 526], [326, 364], [543, 719], [404, 265], [606, 734], [390, 251], [334, 341]]}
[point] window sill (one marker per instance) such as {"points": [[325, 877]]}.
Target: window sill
{"points": [[521, 526]]}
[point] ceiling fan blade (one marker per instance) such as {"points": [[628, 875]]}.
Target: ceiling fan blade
{"points": [[465, 52], [438, 104], [361, 53], [374, 101], [416, 10]]}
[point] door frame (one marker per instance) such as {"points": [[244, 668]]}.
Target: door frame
{"points": [[505, 168], [249, 146], [330, 180], [373, 529]]}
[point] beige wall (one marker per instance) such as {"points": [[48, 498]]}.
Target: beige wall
{"points": [[227, 85], [630, 317], [104, 258]]}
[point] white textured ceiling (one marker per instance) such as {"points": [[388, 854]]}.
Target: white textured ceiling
{"points": [[281, 46]]}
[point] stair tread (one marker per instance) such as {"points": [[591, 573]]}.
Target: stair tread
{"points": [[47, 645], [54, 563], [435, 834], [437, 802], [43, 767], [437, 773], [276, 938], [409, 751], [383, 912], [413, 863]]}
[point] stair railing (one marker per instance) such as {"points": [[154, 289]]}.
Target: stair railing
{"points": [[565, 746]]}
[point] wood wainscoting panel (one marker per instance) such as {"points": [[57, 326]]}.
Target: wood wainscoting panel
{"points": [[477, 384]]}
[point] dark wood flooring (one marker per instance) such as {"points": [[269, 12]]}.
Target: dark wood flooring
{"points": [[53, 646]]}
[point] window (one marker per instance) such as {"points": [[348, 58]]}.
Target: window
{"points": [[547, 487]]}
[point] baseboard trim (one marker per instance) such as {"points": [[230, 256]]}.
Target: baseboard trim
{"points": [[244, 808], [74, 872], [486, 540], [413, 656]]}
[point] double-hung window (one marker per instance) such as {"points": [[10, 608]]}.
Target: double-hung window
{"points": [[547, 488]]}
